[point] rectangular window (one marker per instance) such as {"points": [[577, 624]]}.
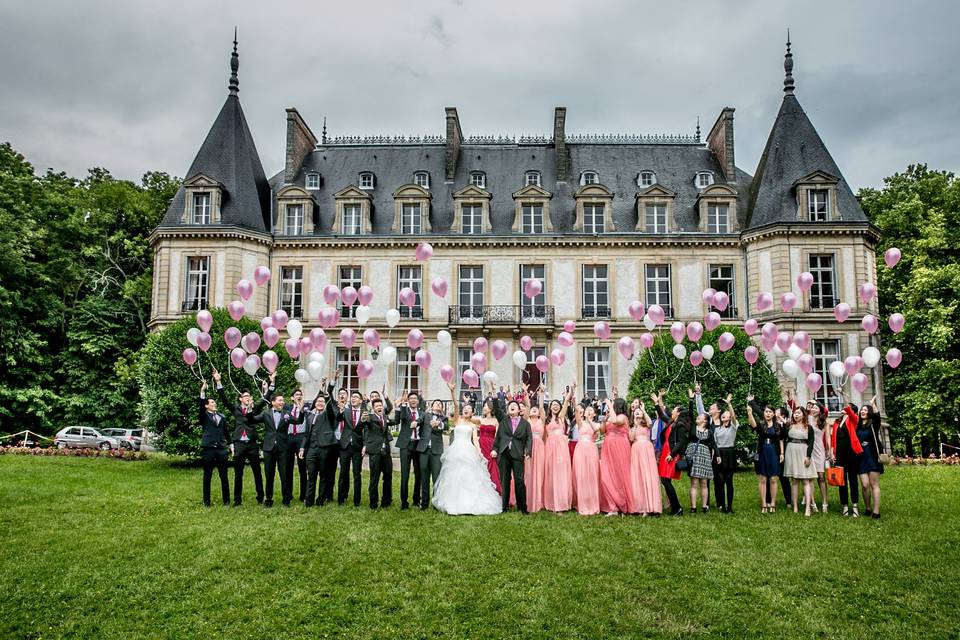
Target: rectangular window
{"points": [[531, 375], [824, 282], [593, 218], [410, 277], [596, 371], [293, 224], [408, 372], [478, 180], [531, 218], [422, 179], [366, 181], [351, 220], [352, 276], [824, 352], [291, 291], [198, 280], [410, 219], [471, 292], [463, 363], [596, 292], [533, 178], [656, 218], [313, 181], [658, 287], [535, 308], [471, 219], [718, 218], [201, 208], [721, 279], [818, 205], [347, 360]]}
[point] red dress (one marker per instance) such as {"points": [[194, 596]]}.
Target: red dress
{"points": [[487, 433], [667, 469], [615, 493]]}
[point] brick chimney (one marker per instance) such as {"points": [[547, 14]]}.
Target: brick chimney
{"points": [[300, 142], [454, 139], [560, 143], [720, 142]]}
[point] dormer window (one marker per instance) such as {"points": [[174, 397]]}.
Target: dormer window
{"points": [[422, 179], [818, 205], [646, 179], [201, 200], [589, 177], [704, 179], [201, 208], [313, 181], [478, 179], [532, 178], [295, 208], [293, 223], [817, 197], [366, 180], [718, 218]]}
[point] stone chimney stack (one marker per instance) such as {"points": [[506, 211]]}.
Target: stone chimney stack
{"points": [[560, 143], [454, 139], [300, 142], [720, 142]]}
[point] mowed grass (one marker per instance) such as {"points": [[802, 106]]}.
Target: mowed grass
{"points": [[108, 549]]}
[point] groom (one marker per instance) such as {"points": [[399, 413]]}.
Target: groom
{"points": [[430, 448], [511, 447]]}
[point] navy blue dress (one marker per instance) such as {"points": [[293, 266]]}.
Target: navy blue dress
{"points": [[768, 450], [870, 460]]}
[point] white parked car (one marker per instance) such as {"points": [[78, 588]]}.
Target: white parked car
{"points": [[88, 437]]}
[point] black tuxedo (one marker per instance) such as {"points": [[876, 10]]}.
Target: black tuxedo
{"points": [[276, 443], [318, 445], [512, 447], [376, 443], [245, 444], [430, 448], [351, 454], [296, 443], [214, 436], [407, 442]]}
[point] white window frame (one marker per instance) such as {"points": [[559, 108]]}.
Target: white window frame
{"points": [[703, 179], [531, 217], [595, 291], [659, 210], [590, 215], [589, 177], [422, 179], [478, 179], [198, 281], [532, 178], [313, 181], [825, 351], [410, 276], [407, 372], [351, 219], [411, 218], [659, 287], [471, 218], [366, 180], [534, 308], [714, 279], [718, 217], [532, 356], [646, 179], [293, 219], [291, 290], [818, 210], [352, 275], [819, 300], [202, 210], [470, 288], [347, 361], [463, 363], [596, 371]]}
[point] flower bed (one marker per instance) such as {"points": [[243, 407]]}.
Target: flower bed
{"points": [[953, 460], [117, 454]]}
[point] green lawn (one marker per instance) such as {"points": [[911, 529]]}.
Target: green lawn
{"points": [[110, 549]]}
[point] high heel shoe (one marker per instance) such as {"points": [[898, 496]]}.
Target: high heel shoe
{"points": [[856, 512], [846, 511]]}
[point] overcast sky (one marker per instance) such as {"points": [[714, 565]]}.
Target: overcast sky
{"points": [[134, 86]]}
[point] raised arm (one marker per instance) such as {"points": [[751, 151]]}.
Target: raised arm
{"points": [[750, 419], [733, 413], [698, 398], [453, 399]]}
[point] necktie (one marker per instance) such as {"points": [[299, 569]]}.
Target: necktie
{"points": [[413, 427], [243, 410]]}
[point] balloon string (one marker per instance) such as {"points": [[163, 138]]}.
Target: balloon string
{"points": [[230, 378], [194, 372], [750, 386]]}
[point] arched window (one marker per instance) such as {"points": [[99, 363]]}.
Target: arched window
{"points": [[313, 181], [532, 178], [478, 179], [703, 179], [646, 179], [422, 179], [589, 177]]}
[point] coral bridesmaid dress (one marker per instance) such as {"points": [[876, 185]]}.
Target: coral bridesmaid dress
{"points": [[615, 493], [644, 475], [586, 473], [535, 471], [557, 482]]}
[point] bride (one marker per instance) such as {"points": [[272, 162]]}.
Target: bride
{"points": [[464, 485]]}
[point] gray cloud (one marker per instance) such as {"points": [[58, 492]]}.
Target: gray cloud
{"points": [[134, 87]]}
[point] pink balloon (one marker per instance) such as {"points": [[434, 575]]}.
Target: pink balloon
{"points": [[802, 339], [892, 256], [769, 331], [244, 289], [261, 275], [564, 339], [526, 343], [270, 361], [371, 338], [867, 292], [499, 349], [424, 252], [656, 313], [805, 362], [480, 345], [677, 332], [712, 320], [569, 326], [721, 300], [270, 337], [784, 340], [870, 323], [478, 362], [626, 347], [841, 312], [788, 301], [814, 382], [751, 354], [189, 357], [543, 364], [805, 281], [348, 338], [446, 373], [764, 301], [532, 288], [365, 295], [231, 337], [694, 331], [601, 330], [348, 295], [708, 296], [414, 338], [636, 310], [318, 339], [265, 323], [558, 357], [204, 320], [726, 341], [696, 358], [304, 345], [292, 345], [280, 319], [331, 294], [859, 382], [768, 344], [439, 287], [250, 342], [364, 369], [896, 322], [894, 357], [328, 318], [423, 359], [236, 310], [750, 326], [238, 357], [470, 378], [408, 297], [646, 340], [850, 365]]}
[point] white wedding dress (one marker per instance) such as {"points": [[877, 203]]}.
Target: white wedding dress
{"points": [[464, 485]]}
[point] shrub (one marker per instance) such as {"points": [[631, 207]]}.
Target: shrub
{"points": [[116, 454]]}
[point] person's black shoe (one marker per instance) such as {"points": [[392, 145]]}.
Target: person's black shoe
{"points": [[267, 504], [678, 512], [236, 504], [286, 504], [875, 516], [340, 503], [206, 504], [422, 508], [259, 500], [404, 506]]}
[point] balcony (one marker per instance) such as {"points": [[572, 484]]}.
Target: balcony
{"points": [[595, 313], [193, 305], [500, 315]]}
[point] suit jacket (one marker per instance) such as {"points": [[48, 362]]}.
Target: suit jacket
{"points": [[214, 432], [407, 426], [352, 436], [431, 438], [517, 443], [243, 420], [275, 433], [376, 434]]}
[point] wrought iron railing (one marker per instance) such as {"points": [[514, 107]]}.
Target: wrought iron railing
{"points": [[595, 312], [501, 315], [193, 305]]}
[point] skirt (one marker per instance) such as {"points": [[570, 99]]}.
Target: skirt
{"points": [[700, 464], [728, 460], [869, 462], [793, 466], [768, 461]]}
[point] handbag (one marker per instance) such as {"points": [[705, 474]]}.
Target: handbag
{"points": [[835, 476], [882, 457]]}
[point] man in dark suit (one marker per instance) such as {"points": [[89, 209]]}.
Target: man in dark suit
{"points": [[295, 409], [432, 427], [244, 445], [214, 436], [330, 477], [376, 446], [351, 448], [276, 441], [410, 415], [318, 444], [511, 448]]}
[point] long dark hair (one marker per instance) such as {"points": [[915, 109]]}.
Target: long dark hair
{"points": [[620, 406]]}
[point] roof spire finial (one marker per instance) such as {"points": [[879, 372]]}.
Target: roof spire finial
{"points": [[788, 69], [234, 66], [698, 128], [323, 134]]}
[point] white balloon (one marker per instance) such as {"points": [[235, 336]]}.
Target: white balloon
{"points": [[679, 351], [388, 355], [192, 334], [707, 351], [791, 368], [294, 329], [778, 351], [836, 369], [444, 339], [393, 318], [250, 365], [315, 369], [520, 360], [301, 376], [871, 357], [649, 323], [362, 315], [490, 377], [315, 356], [794, 352]]}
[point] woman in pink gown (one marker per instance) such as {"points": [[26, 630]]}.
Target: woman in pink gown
{"points": [[557, 482], [615, 493], [644, 474], [534, 468], [586, 465]]}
